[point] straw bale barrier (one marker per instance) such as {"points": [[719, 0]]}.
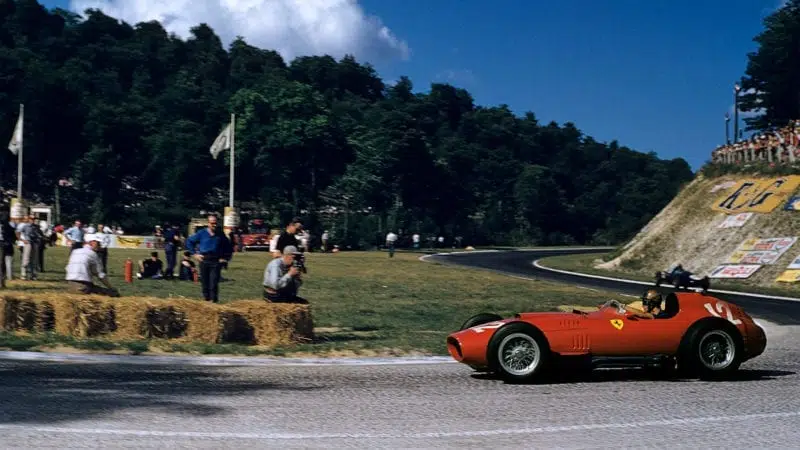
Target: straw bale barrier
{"points": [[253, 322]]}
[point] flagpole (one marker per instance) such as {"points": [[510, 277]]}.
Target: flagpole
{"points": [[233, 140], [19, 153]]}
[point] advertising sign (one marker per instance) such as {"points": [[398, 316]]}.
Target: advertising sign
{"points": [[795, 264], [734, 271], [18, 210], [780, 244], [793, 204], [789, 276], [230, 219], [757, 257], [761, 195], [735, 221]]}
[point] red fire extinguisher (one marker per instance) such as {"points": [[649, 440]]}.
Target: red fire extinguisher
{"points": [[129, 271]]}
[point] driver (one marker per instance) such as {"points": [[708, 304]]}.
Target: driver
{"points": [[651, 302]]}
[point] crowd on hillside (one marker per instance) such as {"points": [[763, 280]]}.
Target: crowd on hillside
{"points": [[775, 146]]}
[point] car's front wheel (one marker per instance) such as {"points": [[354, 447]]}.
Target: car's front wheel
{"points": [[518, 352], [480, 319]]}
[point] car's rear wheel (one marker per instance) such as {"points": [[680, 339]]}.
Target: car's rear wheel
{"points": [[480, 319], [518, 352], [712, 350]]}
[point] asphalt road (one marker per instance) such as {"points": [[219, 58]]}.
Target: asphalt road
{"points": [[521, 263], [441, 405]]}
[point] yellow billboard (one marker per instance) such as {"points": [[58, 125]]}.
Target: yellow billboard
{"points": [[789, 276], [760, 195]]}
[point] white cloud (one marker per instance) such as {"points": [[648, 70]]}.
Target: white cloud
{"points": [[291, 27]]}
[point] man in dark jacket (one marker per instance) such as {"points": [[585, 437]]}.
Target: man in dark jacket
{"points": [[212, 248], [8, 237]]}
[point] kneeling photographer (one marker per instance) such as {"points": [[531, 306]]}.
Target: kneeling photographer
{"points": [[282, 277]]}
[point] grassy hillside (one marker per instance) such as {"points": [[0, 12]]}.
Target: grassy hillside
{"points": [[687, 231]]}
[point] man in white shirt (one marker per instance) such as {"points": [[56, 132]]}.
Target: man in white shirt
{"points": [[391, 238], [84, 264]]}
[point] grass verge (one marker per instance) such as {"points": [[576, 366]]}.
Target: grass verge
{"points": [[363, 303], [585, 263]]}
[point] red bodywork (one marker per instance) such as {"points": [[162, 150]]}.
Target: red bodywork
{"points": [[607, 332], [258, 235]]}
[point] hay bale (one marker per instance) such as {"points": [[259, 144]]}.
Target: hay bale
{"points": [[24, 314], [276, 323], [245, 321], [234, 328], [164, 322], [93, 317]]}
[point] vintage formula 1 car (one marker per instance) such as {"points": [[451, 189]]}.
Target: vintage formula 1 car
{"points": [[682, 279], [698, 335]]}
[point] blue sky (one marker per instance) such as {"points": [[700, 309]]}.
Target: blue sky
{"points": [[656, 76]]}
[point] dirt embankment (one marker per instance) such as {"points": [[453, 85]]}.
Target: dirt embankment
{"points": [[691, 230]]}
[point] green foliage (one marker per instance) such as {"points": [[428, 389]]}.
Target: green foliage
{"points": [[773, 71], [129, 113], [764, 168]]}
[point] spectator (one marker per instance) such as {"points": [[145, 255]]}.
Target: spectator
{"points": [[289, 235], [7, 238], [282, 279], [187, 269], [325, 237], [9, 242], [74, 236], [391, 238], [83, 265], [104, 234], [31, 236], [151, 268], [171, 245], [46, 231], [211, 247], [415, 240]]}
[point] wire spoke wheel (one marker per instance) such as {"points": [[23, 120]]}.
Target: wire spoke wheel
{"points": [[519, 354], [717, 350]]}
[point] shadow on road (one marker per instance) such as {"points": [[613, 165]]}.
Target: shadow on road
{"points": [[47, 393], [602, 376]]}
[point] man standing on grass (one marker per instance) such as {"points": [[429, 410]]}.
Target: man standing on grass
{"points": [[212, 248], [289, 235], [391, 239], [84, 264], [74, 236]]}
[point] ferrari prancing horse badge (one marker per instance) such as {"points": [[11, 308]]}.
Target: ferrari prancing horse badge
{"points": [[616, 323]]}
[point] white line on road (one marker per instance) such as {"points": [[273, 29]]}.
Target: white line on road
{"points": [[297, 436]]}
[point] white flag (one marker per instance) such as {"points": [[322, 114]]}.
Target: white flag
{"points": [[15, 145], [222, 142]]}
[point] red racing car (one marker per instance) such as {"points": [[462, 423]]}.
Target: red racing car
{"points": [[700, 335]]}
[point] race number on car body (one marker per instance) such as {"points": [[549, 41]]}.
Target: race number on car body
{"points": [[617, 323], [722, 308]]}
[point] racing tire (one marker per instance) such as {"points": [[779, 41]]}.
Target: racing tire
{"points": [[518, 352], [479, 319], [711, 350]]}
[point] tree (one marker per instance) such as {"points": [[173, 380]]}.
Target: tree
{"points": [[771, 84], [137, 110]]}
